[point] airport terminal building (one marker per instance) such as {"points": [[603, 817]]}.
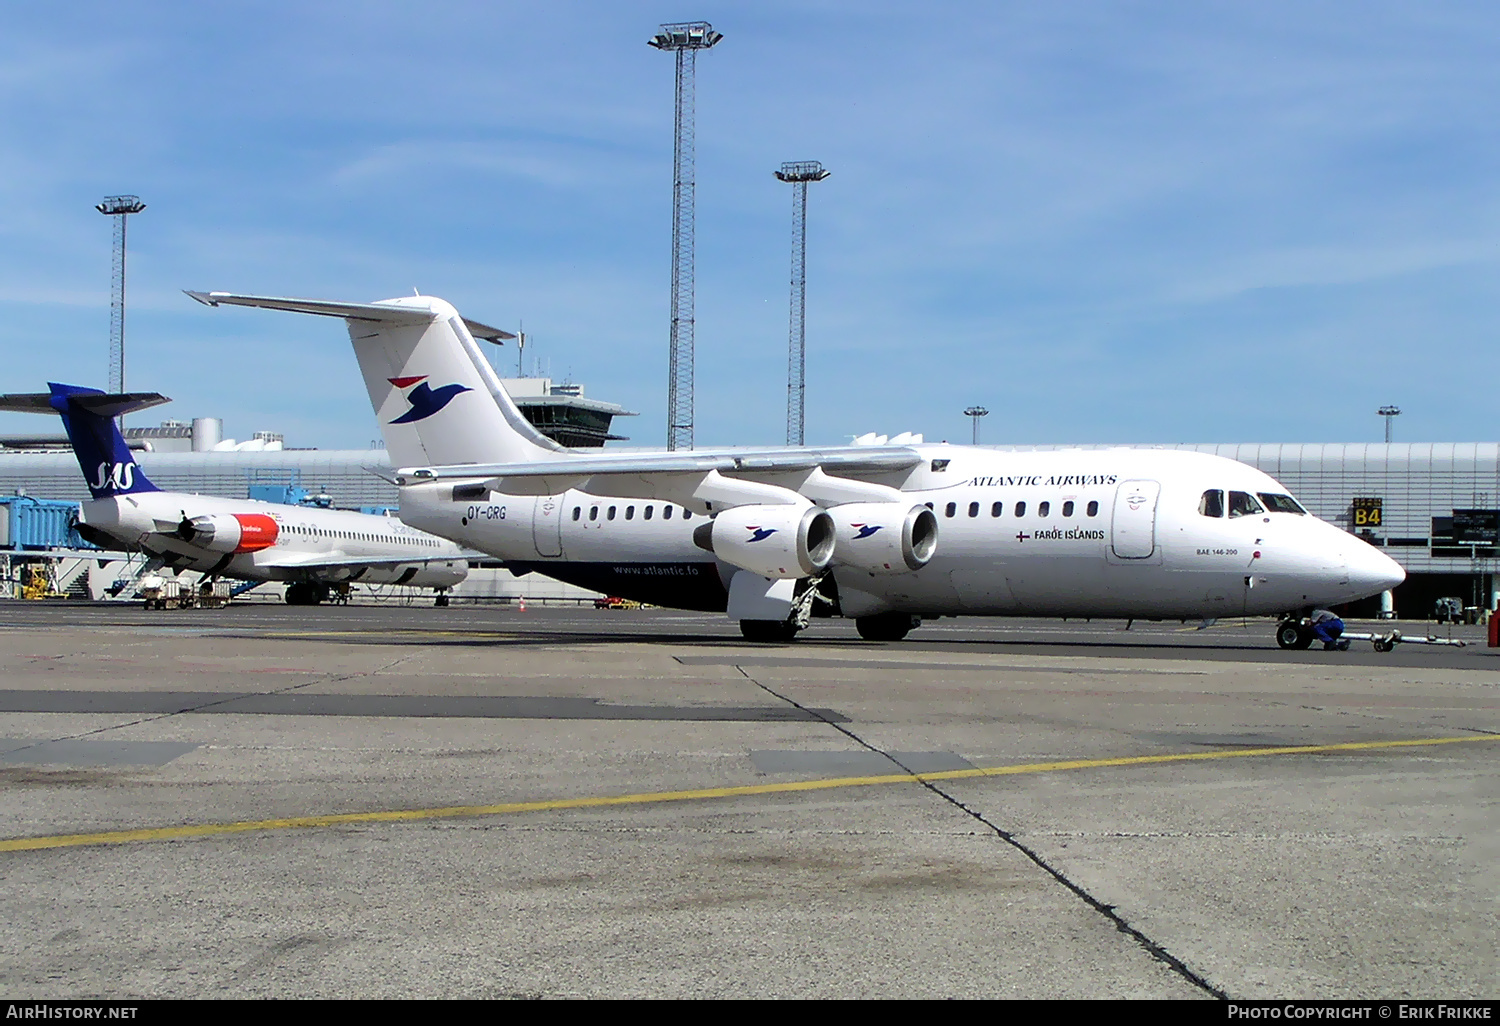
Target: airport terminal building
{"points": [[1433, 507]]}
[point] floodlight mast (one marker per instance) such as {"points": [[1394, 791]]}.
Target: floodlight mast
{"points": [[120, 208], [974, 413], [1389, 413], [798, 174], [685, 39]]}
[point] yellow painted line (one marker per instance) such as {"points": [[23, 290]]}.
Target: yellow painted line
{"points": [[657, 797]]}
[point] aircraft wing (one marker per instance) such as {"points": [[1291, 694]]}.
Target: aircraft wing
{"points": [[867, 459], [314, 561], [379, 312]]}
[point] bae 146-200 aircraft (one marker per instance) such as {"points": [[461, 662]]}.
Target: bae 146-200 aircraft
{"points": [[309, 548], [883, 534]]}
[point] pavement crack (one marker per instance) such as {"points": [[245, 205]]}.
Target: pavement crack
{"points": [[1151, 947]]}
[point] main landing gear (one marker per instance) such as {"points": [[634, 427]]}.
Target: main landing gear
{"points": [[881, 627], [768, 630], [886, 626], [306, 593], [811, 601]]}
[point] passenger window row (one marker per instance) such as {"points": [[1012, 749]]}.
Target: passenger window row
{"points": [[646, 514], [320, 532], [997, 509], [1243, 504]]}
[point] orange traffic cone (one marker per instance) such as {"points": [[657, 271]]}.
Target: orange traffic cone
{"points": [[523, 603]]}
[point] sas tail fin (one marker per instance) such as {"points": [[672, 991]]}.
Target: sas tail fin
{"points": [[438, 400], [88, 417]]}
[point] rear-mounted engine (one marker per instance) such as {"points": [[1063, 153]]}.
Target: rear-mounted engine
{"points": [[236, 532]]}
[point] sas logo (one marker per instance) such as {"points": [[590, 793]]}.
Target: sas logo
{"points": [[865, 530], [760, 533], [424, 399], [117, 477]]}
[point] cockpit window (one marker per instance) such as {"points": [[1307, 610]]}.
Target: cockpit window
{"points": [[1281, 504], [1243, 504], [1212, 503]]}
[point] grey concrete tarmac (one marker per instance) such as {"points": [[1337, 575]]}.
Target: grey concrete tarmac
{"points": [[1363, 871]]}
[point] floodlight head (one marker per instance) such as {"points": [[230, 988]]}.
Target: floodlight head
{"points": [[120, 205], [1389, 411], [976, 411], [802, 171], [690, 35]]}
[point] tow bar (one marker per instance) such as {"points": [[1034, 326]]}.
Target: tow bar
{"points": [[1386, 642]]}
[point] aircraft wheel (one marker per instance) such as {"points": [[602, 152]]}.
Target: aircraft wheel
{"points": [[885, 626], [767, 630], [1291, 634], [296, 594]]}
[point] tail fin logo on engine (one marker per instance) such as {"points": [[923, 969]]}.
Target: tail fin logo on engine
{"points": [[424, 399], [760, 533], [865, 530]]}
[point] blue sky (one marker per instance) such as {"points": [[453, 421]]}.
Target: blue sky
{"points": [[1107, 222]]}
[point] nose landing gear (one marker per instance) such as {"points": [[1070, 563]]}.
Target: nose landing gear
{"points": [[1292, 634]]}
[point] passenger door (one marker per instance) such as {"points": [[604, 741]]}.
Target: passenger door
{"points": [[546, 525], [1133, 527]]}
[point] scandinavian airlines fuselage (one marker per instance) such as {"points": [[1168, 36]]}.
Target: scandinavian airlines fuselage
{"points": [[267, 541]]}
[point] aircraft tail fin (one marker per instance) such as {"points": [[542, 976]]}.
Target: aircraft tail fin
{"points": [[88, 417], [438, 400]]}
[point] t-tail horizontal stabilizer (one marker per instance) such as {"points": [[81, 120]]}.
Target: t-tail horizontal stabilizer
{"points": [[88, 417], [381, 313]]}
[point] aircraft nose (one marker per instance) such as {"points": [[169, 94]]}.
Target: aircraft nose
{"points": [[1372, 571]]}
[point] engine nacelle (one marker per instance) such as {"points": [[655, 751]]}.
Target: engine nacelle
{"points": [[778, 542], [236, 532], [884, 537]]}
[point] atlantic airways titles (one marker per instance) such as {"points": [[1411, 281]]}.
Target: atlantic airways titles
{"points": [[1044, 481]]}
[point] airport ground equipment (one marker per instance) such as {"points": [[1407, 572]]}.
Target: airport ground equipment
{"points": [[1390, 639], [164, 593], [1297, 634]]}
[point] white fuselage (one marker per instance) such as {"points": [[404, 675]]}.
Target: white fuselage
{"points": [[311, 544], [1058, 533]]}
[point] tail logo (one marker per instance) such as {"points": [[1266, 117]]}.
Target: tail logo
{"points": [[424, 399], [114, 477], [761, 533], [865, 530]]}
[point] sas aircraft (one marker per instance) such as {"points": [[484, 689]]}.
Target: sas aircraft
{"points": [[884, 534], [310, 549]]}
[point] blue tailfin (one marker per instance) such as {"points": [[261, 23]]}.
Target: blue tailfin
{"points": [[88, 417]]}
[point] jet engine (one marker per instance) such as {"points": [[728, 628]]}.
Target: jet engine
{"points": [[884, 537], [778, 542], [236, 532]]}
